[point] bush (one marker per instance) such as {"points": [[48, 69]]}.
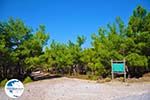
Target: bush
{"points": [[3, 82], [27, 80], [137, 64]]}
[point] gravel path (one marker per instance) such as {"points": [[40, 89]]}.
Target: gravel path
{"points": [[76, 89]]}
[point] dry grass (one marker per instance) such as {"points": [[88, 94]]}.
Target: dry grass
{"points": [[104, 80], [78, 76], [145, 78]]}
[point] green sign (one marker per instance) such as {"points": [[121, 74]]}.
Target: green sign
{"points": [[118, 67]]}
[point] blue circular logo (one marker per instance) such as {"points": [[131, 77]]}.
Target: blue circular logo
{"points": [[14, 88]]}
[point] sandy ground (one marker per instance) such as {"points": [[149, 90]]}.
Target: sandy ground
{"points": [[76, 89]]}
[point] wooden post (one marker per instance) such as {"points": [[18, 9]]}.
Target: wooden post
{"points": [[112, 69], [124, 70]]}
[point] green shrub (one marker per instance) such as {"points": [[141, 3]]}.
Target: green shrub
{"points": [[27, 80], [3, 82]]}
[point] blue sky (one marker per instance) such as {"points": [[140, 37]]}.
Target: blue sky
{"points": [[66, 19]]}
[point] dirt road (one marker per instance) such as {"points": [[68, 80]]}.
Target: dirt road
{"points": [[76, 89]]}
